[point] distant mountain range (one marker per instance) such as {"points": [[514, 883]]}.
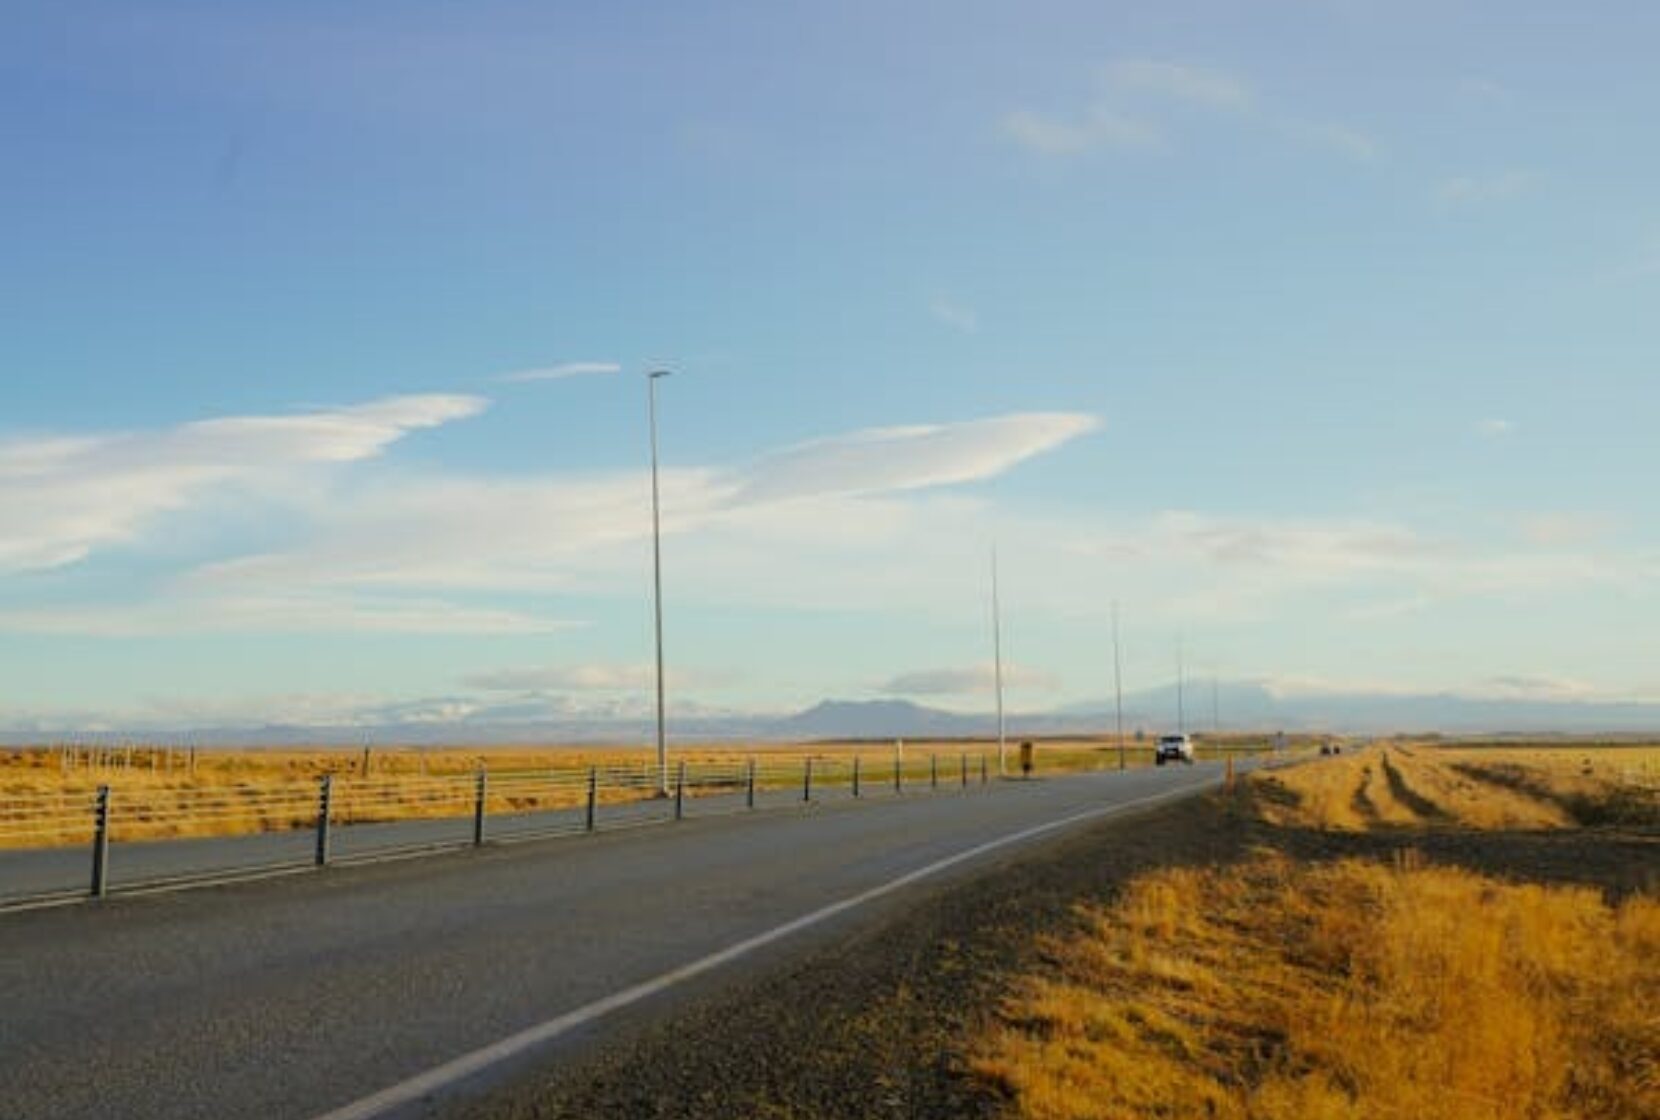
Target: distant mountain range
{"points": [[1234, 706]]}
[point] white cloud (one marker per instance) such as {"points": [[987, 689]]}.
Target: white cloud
{"points": [[1343, 140], [1193, 84], [593, 678], [1486, 90], [193, 610], [559, 372], [1155, 85], [1101, 127], [1474, 190], [390, 551], [890, 460], [63, 498], [954, 315], [1564, 528], [967, 681], [1495, 427]]}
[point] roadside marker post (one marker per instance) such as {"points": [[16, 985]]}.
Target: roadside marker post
{"points": [[983, 770], [481, 789], [593, 796], [933, 771], [855, 775], [101, 843], [749, 791], [325, 790], [965, 769], [680, 792], [898, 774], [807, 780]]}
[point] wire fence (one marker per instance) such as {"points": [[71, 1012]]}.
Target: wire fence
{"points": [[80, 841]]}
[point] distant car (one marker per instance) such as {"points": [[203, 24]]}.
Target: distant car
{"points": [[1173, 748]]}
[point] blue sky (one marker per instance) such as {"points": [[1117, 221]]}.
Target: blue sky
{"points": [[1318, 334]]}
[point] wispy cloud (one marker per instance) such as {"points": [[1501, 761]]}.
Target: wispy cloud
{"points": [[1351, 143], [891, 460], [384, 551], [557, 532], [1486, 90], [593, 677], [967, 681], [954, 315], [198, 610], [1559, 528], [1157, 91], [1052, 135], [1474, 190], [1495, 427], [63, 498], [1195, 85], [558, 372]]}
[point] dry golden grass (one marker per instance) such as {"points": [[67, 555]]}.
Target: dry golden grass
{"points": [[1285, 991], [162, 793], [1482, 788]]}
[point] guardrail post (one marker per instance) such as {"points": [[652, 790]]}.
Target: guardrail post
{"points": [[481, 790], [680, 792], [593, 795], [749, 795], [933, 771], [325, 791], [101, 843], [855, 775], [807, 780]]}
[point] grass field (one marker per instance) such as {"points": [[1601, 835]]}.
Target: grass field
{"points": [[158, 793], [1311, 986], [1466, 787]]}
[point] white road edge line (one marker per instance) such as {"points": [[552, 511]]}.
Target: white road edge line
{"points": [[413, 1089]]}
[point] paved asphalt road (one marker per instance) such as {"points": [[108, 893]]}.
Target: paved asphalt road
{"points": [[296, 997]]}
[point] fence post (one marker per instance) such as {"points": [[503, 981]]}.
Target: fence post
{"points": [[982, 769], [593, 795], [965, 769], [324, 795], [101, 843], [680, 792], [898, 774], [855, 775], [481, 790], [749, 796], [807, 780], [934, 771]]}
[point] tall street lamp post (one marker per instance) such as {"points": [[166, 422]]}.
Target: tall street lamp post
{"points": [[657, 581]]}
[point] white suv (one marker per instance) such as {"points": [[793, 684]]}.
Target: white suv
{"points": [[1174, 748]]}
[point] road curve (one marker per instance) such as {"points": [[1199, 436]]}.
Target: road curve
{"points": [[316, 995]]}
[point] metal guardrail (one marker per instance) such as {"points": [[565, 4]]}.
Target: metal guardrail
{"points": [[158, 836]]}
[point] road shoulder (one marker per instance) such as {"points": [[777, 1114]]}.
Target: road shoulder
{"points": [[871, 1024]]}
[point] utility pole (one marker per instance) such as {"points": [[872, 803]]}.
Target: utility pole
{"points": [[1181, 708], [997, 669], [1118, 684]]}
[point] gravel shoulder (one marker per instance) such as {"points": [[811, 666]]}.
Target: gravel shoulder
{"points": [[873, 1024]]}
